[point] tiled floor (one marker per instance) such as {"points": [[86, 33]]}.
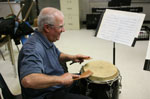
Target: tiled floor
{"points": [[129, 61]]}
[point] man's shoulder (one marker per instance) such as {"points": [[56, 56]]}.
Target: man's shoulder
{"points": [[33, 46]]}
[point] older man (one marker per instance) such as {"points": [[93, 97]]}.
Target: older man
{"points": [[40, 71]]}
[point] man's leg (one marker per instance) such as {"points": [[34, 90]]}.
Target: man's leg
{"points": [[65, 95]]}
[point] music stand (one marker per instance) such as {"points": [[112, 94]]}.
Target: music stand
{"points": [[147, 60], [119, 27]]}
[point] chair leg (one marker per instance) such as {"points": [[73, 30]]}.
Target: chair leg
{"points": [[2, 55], [17, 48], [0, 96]]}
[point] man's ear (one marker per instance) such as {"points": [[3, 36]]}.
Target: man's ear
{"points": [[46, 28]]}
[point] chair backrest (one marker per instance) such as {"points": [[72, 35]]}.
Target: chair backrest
{"points": [[5, 90]]}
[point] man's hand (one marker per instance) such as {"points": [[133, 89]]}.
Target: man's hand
{"points": [[74, 58], [67, 78], [79, 58]]}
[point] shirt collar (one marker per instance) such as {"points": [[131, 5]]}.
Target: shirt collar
{"points": [[44, 40]]}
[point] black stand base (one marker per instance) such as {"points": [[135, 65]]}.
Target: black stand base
{"points": [[147, 65], [114, 54]]}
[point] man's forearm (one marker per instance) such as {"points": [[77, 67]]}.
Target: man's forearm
{"points": [[66, 57], [75, 58], [38, 81]]}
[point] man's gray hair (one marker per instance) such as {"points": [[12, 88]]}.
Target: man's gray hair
{"points": [[47, 18]]}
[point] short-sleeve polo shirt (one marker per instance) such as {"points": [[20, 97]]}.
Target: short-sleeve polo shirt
{"points": [[38, 55]]}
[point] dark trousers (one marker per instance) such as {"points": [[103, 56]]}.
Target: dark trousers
{"points": [[65, 95], [72, 92]]}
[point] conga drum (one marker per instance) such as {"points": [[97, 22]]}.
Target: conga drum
{"points": [[104, 83]]}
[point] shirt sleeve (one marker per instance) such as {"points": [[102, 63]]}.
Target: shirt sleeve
{"points": [[31, 63]]}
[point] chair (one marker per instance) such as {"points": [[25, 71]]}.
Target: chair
{"points": [[3, 41], [5, 90]]}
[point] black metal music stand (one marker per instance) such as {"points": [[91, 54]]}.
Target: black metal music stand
{"points": [[147, 60], [114, 53]]}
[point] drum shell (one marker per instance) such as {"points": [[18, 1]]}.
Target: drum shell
{"points": [[100, 91], [104, 83]]}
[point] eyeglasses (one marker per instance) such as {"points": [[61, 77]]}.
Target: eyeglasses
{"points": [[58, 27]]}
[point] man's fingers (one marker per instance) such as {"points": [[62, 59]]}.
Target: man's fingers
{"points": [[75, 76]]}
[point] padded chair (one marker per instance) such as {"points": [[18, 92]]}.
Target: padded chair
{"points": [[5, 90]]}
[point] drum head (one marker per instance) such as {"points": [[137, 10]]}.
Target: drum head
{"points": [[102, 71]]}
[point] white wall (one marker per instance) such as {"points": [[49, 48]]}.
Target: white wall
{"points": [[5, 9], [85, 7], [146, 7]]}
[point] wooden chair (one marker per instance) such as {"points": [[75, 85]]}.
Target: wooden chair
{"points": [[5, 90], [3, 41]]}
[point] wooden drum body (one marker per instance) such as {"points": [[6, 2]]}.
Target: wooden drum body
{"points": [[104, 83]]}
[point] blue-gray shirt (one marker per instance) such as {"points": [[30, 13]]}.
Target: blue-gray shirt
{"points": [[38, 55]]}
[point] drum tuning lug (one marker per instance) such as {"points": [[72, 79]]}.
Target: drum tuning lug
{"points": [[88, 92], [110, 93]]}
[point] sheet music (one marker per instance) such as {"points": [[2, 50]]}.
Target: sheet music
{"points": [[148, 52], [120, 26]]}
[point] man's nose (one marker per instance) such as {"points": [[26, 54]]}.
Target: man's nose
{"points": [[63, 29]]}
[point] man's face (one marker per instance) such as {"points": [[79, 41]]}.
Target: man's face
{"points": [[56, 29]]}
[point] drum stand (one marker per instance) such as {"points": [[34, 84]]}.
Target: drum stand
{"points": [[114, 61], [114, 53]]}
